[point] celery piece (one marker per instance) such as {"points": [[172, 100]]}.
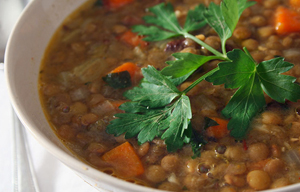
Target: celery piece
{"points": [[90, 70]]}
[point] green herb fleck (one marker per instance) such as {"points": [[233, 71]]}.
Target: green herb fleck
{"points": [[118, 80], [98, 3]]}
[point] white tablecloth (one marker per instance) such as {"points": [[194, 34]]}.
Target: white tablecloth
{"points": [[52, 175]]}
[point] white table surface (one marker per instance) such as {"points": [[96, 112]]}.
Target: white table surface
{"points": [[52, 175]]}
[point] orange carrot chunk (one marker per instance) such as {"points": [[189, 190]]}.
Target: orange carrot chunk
{"points": [[114, 4], [125, 160], [286, 21], [128, 66], [118, 79], [218, 131], [133, 39], [295, 3], [117, 103]]}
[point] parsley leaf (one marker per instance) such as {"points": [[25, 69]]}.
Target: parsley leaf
{"points": [[278, 87], [157, 109], [232, 11], [223, 19], [185, 63], [165, 18], [216, 20], [251, 80], [195, 19], [144, 123], [154, 91], [234, 73], [244, 4], [175, 136], [247, 101]]}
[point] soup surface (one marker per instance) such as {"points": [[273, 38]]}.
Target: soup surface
{"points": [[82, 85]]}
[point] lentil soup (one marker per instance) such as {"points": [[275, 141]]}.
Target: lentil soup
{"points": [[82, 86]]}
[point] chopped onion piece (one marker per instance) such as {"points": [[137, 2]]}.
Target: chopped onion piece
{"points": [[292, 157], [103, 108], [173, 179], [79, 94], [66, 78]]}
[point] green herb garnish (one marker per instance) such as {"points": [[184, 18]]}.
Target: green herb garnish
{"points": [[152, 112], [159, 109], [98, 3], [223, 18], [167, 23], [118, 80], [252, 80]]}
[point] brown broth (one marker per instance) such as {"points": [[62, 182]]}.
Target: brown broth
{"points": [[79, 104]]}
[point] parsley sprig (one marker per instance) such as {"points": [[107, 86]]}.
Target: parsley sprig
{"points": [[152, 112], [165, 25], [158, 109], [252, 80]]}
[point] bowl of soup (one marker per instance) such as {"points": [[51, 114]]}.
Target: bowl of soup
{"points": [[72, 68]]}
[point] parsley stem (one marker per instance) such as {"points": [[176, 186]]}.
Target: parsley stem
{"points": [[199, 80], [209, 48], [224, 48], [249, 55]]}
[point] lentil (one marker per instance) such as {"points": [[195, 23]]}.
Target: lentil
{"points": [[242, 33], [258, 151], [156, 173], [258, 179]]}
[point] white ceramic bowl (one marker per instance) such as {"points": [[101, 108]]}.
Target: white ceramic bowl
{"points": [[23, 56], [24, 52]]}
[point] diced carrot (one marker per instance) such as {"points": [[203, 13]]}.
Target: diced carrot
{"points": [[114, 4], [128, 66], [295, 3], [286, 21], [133, 39], [218, 131], [117, 79], [117, 103], [125, 160]]}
